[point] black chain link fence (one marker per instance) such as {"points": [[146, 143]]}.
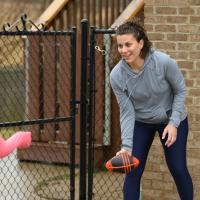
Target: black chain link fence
{"points": [[38, 89], [36, 81]]}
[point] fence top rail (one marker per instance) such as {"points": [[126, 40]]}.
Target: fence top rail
{"points": [[36, 121], [39, 33]]}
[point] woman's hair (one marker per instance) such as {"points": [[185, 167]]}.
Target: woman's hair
{"points": [[133, 27]]}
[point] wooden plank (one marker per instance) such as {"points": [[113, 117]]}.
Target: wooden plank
{"points": [[68, 16], [74, 9], [117, 8], [93, 13], [61, 20], [81, 4], [99, 96], [64, 86], [32, 82], [100, 14], [131, 10], [49, 84], [106, 14], [57, 153], [87, 9]]}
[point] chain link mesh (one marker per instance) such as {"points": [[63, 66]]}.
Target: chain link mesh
{"points": [[35, 81]]}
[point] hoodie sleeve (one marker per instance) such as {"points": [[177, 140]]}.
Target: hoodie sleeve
{"points": [[127, 113], [176, 80]]}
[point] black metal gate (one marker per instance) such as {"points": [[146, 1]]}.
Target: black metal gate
{"points": [[38, 94], [104, 129]]}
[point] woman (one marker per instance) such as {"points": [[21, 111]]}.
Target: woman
{"points": [[150, 91]]}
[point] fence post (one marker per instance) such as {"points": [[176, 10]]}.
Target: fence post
{"points": [[73, 113], [91, 120], [83, 109]]}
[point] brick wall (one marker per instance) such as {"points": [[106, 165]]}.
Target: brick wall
{"points": [[174, 27]]}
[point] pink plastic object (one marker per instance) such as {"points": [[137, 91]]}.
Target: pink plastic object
{"points": [[21, 140]]}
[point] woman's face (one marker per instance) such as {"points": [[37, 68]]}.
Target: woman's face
{"points": [[129, 48]]}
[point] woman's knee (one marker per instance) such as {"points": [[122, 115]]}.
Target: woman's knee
{"points": [[178, 171]]}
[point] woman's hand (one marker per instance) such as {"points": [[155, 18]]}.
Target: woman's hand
{"points": [[171, 132], [123, 151]]}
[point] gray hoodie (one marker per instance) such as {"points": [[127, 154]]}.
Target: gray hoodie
{"points": [[154, 95]]}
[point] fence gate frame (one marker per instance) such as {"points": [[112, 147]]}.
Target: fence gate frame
{"points": [[92, 104], [24, 32]]}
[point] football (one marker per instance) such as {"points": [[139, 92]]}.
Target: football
{"points": [[122, 163]]}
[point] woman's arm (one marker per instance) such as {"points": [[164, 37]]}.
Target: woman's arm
{"points": [[176, 81], [127, 113]]}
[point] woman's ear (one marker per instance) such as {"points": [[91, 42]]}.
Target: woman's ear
{"points": [[141, 43]]}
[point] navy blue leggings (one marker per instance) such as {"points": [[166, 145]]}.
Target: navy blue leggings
{"points": [[175, 157]]}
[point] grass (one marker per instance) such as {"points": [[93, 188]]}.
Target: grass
{"points": [[54, 188], [7, 132]]}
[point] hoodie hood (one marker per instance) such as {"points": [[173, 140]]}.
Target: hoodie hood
{"points": [[130, 71]]}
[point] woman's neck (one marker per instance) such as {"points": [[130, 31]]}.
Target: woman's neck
{"points": [[137, 65]]}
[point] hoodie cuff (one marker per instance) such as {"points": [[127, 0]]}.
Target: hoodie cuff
{"points": [[127, 148], [172, 122]]}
